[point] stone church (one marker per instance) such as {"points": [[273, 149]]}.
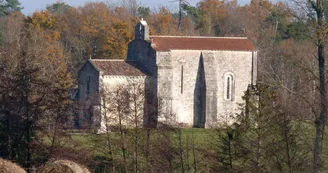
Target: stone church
{"points": [[198, 80]]}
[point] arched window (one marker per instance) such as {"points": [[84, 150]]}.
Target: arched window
{"points": [[181, 79], [88, 85], [229, 87]]}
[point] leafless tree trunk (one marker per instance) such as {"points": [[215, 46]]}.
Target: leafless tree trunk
{"points": [[180, 149], [187, 153], [180, 14], [26, 87], [147, 148], [119, 102], [106, 115], [137, 101], [194, 153], [286, 130], [320, 121], [123, 148]]}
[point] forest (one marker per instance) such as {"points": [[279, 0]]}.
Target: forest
{"points": [[281, 127]]}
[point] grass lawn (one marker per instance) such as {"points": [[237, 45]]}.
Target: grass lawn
{"points": [[203, 141], [201, 136]]}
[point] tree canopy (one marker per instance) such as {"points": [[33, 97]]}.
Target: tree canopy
{"points": [[9, 6], [41, 54]]}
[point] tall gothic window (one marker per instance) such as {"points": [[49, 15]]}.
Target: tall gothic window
{"points": [[229, 87], [181, 79], [88, 84]]}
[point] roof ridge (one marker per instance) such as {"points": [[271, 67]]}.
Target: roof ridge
{"points": [[168, 36]]}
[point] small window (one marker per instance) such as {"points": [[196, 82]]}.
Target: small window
{"points": [[228, 87]]}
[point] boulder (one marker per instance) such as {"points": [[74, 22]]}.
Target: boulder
{"points": [[10, 167], [63, 166]]}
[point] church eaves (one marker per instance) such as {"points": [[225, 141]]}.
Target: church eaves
{"points": [[167, 43], [116, 68]]}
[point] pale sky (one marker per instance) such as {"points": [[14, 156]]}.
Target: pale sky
{"points": [[32, 5]]}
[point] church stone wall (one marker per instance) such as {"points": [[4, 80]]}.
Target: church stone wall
{"points": [[88, 81], [211, 81], [240, 65], [88, 74], [182, 68], [140, 51], [164, 86], [170, 66], [110, 85]]}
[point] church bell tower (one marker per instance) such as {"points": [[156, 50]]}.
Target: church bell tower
{"points": [[142, 30]]}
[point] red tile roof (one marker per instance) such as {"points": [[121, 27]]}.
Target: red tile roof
{"points": [[166, 43], [116, 67]]}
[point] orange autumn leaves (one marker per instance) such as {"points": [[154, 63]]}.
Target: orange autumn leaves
{"points": [[93, 29], [103, 30]]}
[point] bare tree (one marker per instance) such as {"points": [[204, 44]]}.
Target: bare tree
{"points": [[119, 103], [320, 121], [315, 13], [136, 102], [131, 6], [30, 87]]}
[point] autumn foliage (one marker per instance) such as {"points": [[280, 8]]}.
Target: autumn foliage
{"points": [[41, 54]]}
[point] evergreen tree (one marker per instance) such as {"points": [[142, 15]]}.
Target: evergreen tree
{"points": [[34, 94], [58, 8], [9, 6]]}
